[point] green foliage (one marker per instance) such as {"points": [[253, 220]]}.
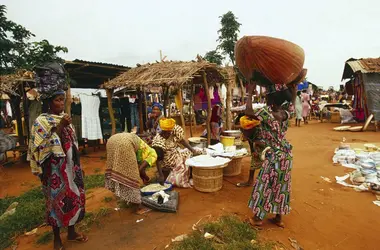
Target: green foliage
{"points": [[228, 35], [230, 234], [30, 212], [94, 181], [16, 50], [45, 238], [214, 56], [195, 241], [108, 199]]}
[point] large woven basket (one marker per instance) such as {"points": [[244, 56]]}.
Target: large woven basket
{"points": [[233, 168], [280, 61], [208, 179]]}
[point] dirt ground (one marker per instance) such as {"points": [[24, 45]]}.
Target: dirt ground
{"points": [[324, 215]]}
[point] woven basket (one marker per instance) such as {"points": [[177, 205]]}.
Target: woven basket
{"points": [[208, 179], [280, 61], [233, 168]]}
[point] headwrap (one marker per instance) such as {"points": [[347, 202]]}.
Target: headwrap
{"points": [[247, 122], [270, 89], [167, 124], [158, 105]]}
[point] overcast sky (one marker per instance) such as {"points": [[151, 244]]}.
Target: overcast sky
{"points": [[129, 32]]}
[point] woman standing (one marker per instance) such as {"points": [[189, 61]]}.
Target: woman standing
{"points": [[169, 140], [127, 159], [54, 157], [215, 125], [271, 191], [305, 105], [298, 105]]}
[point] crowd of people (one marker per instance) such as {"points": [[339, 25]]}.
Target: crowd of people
{"points": [[54, 157]]}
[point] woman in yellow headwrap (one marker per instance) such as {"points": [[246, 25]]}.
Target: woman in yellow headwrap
{"points": [[168, 145], [252, 130]]}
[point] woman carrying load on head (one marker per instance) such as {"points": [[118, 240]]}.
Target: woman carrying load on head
{"points": [[271, 191], [54, 157], [128, 156], [170, 141]]}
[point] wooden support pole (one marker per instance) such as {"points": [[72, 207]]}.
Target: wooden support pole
{"points": [[17, 102], [242, 90], [181, 111], [208, 107], [141, 120], [26, 113], [68, 101], [191, 108], [228, 106], [166, 101], [110, 110]]}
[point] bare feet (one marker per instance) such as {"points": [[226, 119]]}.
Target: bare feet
{"points": [[244, 184], [277, 221], [142, 210], [58, 245], [77, 238], [256, 222]]}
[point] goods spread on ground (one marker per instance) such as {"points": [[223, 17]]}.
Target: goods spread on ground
{"points": [[365, 160], [207, 161], [219, 150], [155, 187]]}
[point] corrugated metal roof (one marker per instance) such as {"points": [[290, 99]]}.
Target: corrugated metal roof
{"points": [[364, 65]]}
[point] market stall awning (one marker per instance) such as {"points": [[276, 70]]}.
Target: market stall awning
{"points": [[175, 73], [87, 74]]}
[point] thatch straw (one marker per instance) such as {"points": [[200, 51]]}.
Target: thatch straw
{"points": [[173, 74], [230, 75], [9, 83]]}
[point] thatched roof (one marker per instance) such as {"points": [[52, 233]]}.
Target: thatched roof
{"points": [[174, 74], [9, 83], [230, 75]]}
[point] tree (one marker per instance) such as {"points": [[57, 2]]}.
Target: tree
{"points": [[228, 35], [16, 50], [214, 56]]}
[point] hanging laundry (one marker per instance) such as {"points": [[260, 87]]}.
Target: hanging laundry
{"points": [[76, 112], [91, 128], [211, 92], [8, 109], [223, 94]]}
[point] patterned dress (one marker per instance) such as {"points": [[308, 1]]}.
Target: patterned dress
{"points": [[175, 157], [271, 191], [56, 161], [125, 152]]}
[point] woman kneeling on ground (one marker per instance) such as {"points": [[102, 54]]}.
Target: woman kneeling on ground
{"points": [[271, 191], [128, 156], [170, 140], [54, 157]]}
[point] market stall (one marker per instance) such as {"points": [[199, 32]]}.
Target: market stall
{"points": [[171, 77], [364, 76]]}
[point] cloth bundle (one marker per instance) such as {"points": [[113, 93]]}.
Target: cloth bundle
{"points": [[50, 78], [169, 206]]}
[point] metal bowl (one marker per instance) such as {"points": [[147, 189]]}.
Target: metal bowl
{"points": [[198, 142], [233, 133]]}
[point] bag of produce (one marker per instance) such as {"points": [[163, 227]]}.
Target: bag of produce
{"points": [[279, 61]]}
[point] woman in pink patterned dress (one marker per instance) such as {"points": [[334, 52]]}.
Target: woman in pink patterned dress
{"points": [[271, 191]]}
